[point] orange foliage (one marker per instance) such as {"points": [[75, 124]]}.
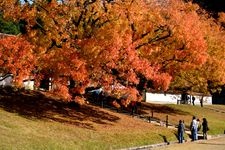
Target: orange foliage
{"points": [[17, 57], [107, 44]]}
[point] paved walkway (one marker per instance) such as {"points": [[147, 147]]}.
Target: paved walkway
{"points": [[212, 144]]}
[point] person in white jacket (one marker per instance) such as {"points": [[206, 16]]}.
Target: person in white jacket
{"points": [[194, 129]]}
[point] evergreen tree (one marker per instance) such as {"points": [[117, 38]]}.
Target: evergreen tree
{"points": [[8, 27]]}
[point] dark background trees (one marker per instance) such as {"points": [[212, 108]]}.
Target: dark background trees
{"points": [[8, 27], [211, 6]]}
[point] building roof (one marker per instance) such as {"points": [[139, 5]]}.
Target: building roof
{"points": [[3, 35]]}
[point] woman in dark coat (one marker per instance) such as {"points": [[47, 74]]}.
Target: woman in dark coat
{"points": [[205, 128]]}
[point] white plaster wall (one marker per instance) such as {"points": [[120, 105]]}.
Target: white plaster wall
{"points": [[6, 82], [162, 98], [28, 85], [207, 100]]}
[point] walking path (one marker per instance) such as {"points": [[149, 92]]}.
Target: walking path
{"points": [[214, 143], [216, 110], [217, 143]]}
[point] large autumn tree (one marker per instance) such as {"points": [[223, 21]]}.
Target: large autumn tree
{"points": [[209, 77], [180, 45], [118, 45]]}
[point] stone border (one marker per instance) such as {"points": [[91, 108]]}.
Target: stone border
{"points": [[169, 143], [146, 146]]}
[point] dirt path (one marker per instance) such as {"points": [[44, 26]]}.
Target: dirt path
{"points": [[215, 109], [212, 144]]}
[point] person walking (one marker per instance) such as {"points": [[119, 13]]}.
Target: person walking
{"points": [[180, 131], [205, 128], [133, 107], [193, 100], [201, 101]]}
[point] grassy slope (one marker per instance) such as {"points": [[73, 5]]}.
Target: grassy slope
{"points": [[27, 133], [29, 121], [216, 120], [33, 121]]}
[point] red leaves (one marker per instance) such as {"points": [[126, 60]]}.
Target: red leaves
{"points": [[88, 43], [16, 55], [105, 45]]}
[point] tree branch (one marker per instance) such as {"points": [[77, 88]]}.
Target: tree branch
{"points": [[165, 32]]}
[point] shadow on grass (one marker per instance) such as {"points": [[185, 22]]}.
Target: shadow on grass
{"points": [[147, 108], [164, 138], [35, 105]]}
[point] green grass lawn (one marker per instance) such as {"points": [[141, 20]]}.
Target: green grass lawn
{"points": [[32, 121], [216, 119], [18, 132]]}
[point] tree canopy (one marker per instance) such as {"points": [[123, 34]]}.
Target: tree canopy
{"points": [[8, 27], [122, 46]]}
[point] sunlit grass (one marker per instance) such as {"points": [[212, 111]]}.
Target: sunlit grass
{"points": [[17, 132], [60, 126], [216, 119]]}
